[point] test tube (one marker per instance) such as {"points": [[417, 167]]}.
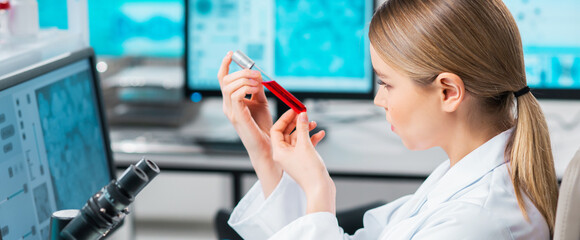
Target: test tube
{"points": [[247, 63]]}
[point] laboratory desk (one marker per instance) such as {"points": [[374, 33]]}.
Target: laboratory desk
{"points": [[358, 144]]}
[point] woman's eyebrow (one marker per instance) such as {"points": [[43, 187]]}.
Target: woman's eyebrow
{"points": [[379, 73]]}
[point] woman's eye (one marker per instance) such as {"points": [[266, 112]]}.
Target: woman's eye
{"points": [[383, 84]]}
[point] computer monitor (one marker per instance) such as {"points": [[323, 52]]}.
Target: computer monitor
{"points": [[139, 28], [121, 28], [314, 49], [54, 146], [551, 43]]}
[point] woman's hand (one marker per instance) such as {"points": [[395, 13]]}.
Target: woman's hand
{"points": [[294, 151], [251, 119]]}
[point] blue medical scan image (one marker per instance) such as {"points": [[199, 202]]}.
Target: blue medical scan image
{"points": [[74, 147], [315, 38]]}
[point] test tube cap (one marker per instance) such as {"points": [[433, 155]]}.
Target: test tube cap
{"points": [[242, 60]]}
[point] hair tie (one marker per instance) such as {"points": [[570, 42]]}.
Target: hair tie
{"points": [[522, 91]]}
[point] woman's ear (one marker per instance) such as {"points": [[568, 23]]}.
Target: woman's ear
{"points": [[451, 91]]}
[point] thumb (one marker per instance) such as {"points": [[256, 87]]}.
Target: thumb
{"points": [[302, 127]]}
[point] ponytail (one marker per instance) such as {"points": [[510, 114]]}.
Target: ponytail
{"points": [[531, 160]]}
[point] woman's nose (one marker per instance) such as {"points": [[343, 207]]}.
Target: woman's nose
{"points": [[380, 98]]}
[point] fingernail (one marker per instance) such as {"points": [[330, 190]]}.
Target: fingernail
{"points": [[304, 117]]}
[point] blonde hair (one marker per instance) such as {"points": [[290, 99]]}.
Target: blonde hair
{"points": [[479, 41]]}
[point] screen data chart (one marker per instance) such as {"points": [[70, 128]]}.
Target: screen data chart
{"points": [[16, 195], [307, 46], [52, 153], [551, 41]]}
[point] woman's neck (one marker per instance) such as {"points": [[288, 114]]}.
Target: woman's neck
{"points": [[464, 139]]}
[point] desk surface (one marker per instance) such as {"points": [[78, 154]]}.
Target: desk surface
{"points": [[358, 143]]}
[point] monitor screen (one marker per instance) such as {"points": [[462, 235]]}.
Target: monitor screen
{"points": [[54, 151], [119, 28], [315, 49], [551, 44], [145, 28]]}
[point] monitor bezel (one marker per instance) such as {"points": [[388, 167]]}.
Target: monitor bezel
{"points": [[556, 93], [45, 67], [298, 94]]}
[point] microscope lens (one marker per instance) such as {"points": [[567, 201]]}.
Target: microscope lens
{"points": [[149, 167], [132, 180]]}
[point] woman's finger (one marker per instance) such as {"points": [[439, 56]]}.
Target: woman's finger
{"points": [[245, 73], [250, 87], [292, 138], [312, 125], [238, 110], [278, 129], [222, 72], [225, 67], [316, 138], [289, 128], [302, 128], [229, 89], [291, 123], [284, 121], [261, 95], [240, 93]]}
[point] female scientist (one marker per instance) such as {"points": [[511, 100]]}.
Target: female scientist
{"points": [[452, 75]]}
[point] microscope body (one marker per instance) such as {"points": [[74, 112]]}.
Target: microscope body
{"points": [[106, 209]]}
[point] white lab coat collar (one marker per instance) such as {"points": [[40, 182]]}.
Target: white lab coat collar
{"points": [[469, 169], [444, 182]]}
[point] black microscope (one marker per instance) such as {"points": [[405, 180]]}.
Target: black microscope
{"points": [[106, 209]]}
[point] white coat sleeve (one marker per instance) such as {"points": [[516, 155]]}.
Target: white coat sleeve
{"points": [[283, 216], [324, 225], [257, 218]]}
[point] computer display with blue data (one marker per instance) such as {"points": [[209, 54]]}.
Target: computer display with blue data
{"points": [[52, 150], [312, 48], [118, 28], [148, 28], [551, 41]]}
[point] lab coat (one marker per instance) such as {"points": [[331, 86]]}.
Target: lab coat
{"points": [[474, 199]]}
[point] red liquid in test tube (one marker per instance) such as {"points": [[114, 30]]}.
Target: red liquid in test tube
{"points": [[245, 62], [285, 96]]}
